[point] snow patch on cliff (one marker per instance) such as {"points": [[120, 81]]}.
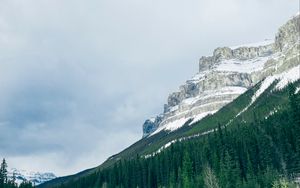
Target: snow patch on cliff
{"points": [[201, 116], [176, 124], [255, 44], [246, 66], [172, 126], [230, 90]]}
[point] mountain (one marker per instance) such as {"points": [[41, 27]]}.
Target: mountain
{"points": [[222, 77], [35, 177], [250, 91]]}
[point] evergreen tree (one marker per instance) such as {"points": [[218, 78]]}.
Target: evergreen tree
{"points": [[3, 174], [187, 171]]}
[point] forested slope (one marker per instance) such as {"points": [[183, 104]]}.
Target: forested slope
{"points": [[257, 149]]}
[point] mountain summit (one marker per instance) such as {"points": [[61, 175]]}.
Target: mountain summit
{"points": [[225, 75]]}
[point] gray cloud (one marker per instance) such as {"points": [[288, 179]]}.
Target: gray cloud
{"points": [[77, 79]]}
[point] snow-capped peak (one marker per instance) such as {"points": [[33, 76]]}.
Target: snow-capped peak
{"points": [[35, 177]]}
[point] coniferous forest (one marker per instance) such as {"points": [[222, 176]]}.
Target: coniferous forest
{"points": [[261, 153]]}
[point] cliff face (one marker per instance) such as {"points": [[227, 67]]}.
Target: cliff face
{"points": [[225, 75]]}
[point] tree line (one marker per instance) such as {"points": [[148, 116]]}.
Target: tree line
{"points": [[261, 153]]}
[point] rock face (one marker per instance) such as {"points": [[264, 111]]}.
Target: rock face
{"points": [[151, 125], [288, 34], [225, 75]]}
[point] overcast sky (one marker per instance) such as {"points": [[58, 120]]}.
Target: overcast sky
{"points": [[78, 78]]}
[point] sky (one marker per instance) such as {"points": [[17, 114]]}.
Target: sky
{"points": [[79, 78]]}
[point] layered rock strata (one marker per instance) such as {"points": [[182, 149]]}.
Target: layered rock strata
{"points": [[222, 77]]}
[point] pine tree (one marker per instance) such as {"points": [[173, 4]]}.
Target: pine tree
{"points": [[3, 174], [187, 171]]}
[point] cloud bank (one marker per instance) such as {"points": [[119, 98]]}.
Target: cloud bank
{"points": [[78, 78]]}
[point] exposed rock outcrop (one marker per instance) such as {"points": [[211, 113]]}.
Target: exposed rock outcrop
{"points": [[225, 75], [288, 34], [151, 125]]}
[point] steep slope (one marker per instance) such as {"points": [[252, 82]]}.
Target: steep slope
{"points": [[235, 85], [224, 76], [267, 98], [259, 151]]}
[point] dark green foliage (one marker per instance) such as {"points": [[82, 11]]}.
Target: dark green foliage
{"points": [[250, 154], [26, 184], [3, 174], [252, 151]]}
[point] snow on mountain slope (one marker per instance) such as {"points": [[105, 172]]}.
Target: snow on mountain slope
{"points": [[283, 79], [287, 77], [35, 177], [246, 66], [228, 73]]}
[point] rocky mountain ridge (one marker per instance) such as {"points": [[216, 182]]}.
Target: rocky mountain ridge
{"points": [[35, 177], [222, 77]]}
